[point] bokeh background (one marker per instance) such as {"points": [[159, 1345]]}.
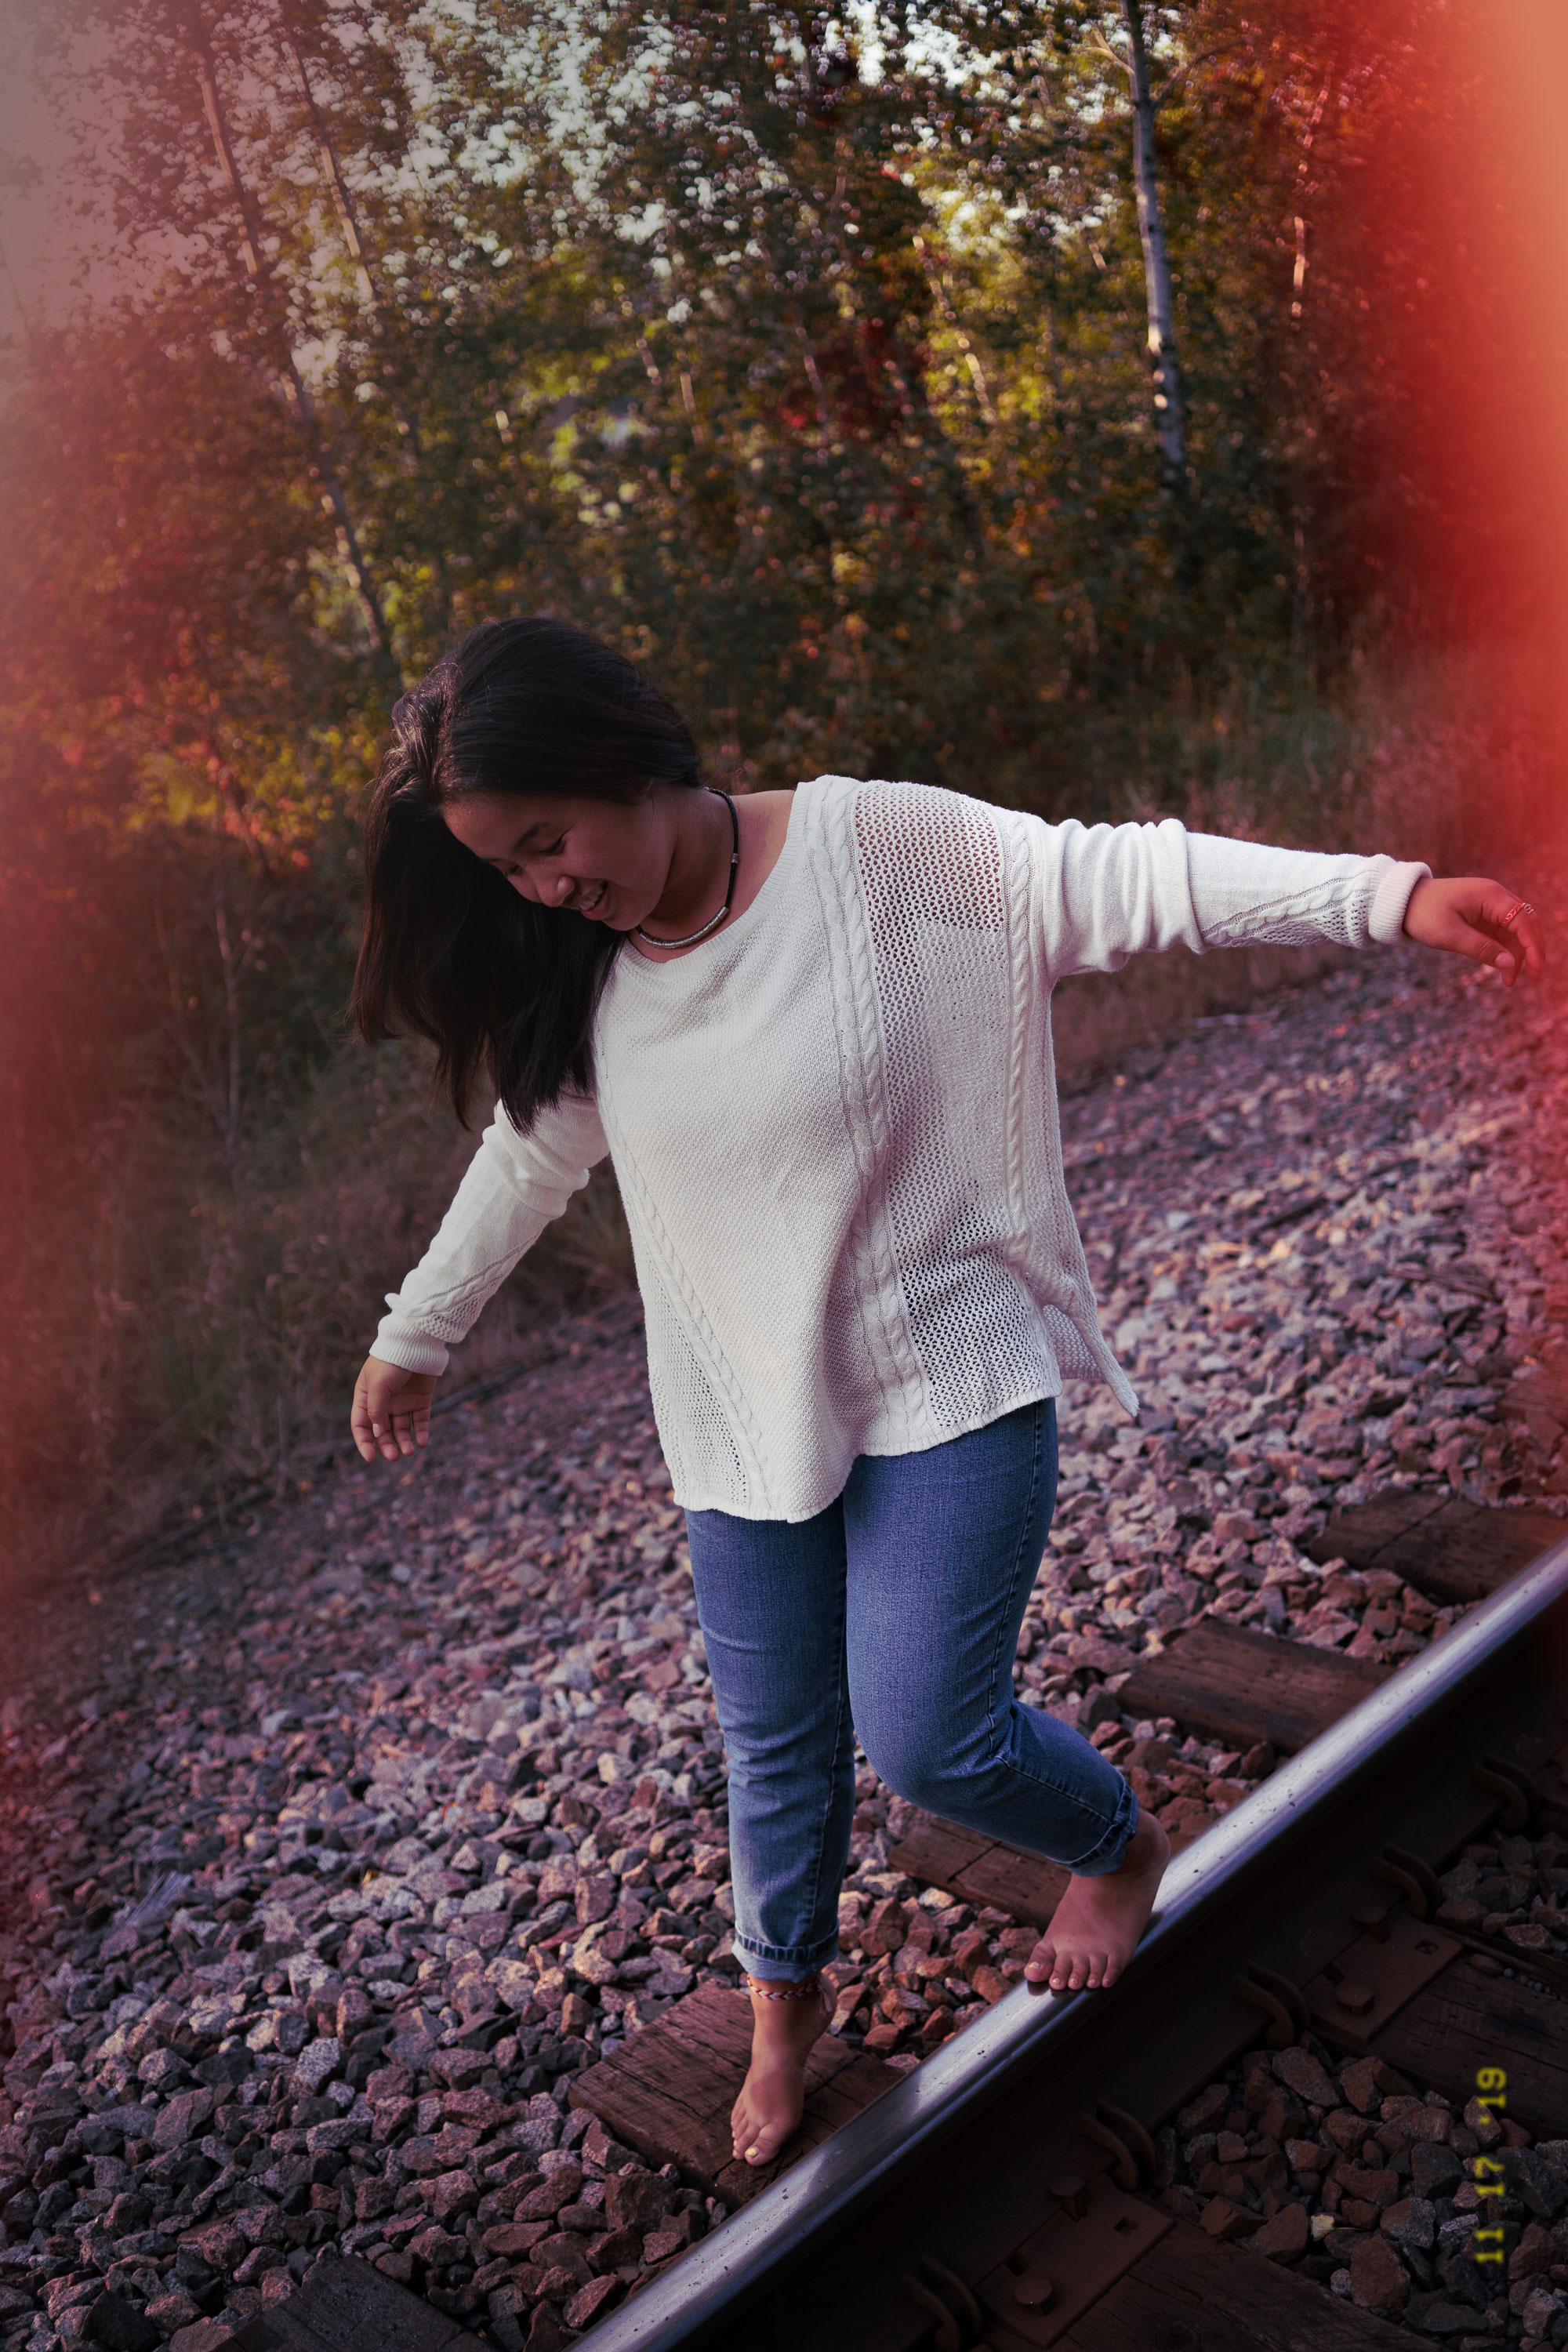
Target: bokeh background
{"points": [[803, 353]]}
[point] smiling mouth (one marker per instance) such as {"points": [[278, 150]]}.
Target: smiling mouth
{"points": [[592, 905]]}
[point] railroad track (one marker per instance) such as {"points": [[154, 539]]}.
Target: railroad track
{"points": [[1030, 2183]]}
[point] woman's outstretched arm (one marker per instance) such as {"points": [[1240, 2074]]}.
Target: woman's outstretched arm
{"points": [[513, 1187], [1108, 892]]}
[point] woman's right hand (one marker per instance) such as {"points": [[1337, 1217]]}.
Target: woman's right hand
{"points": [[391, 1410]]}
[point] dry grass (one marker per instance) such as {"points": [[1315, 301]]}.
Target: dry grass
{"points": [[170, 1335]]}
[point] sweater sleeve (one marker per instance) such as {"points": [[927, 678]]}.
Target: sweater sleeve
{"points": [[1114, 891], [514, 1185]]}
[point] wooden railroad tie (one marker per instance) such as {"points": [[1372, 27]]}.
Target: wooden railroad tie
{"points": [[1231, 1684], [1191, 2293], [669, 2091], [345, 2305], [1450, 1549], [1464, 2019]]}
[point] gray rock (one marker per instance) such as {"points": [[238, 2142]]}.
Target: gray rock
{"points": [[1300, 2072], [1412, 2222], [1542, 2187], [1436, 2314], [1434, 2171], [117, 2325]]}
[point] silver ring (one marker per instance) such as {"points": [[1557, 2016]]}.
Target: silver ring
{"points": [[1523, 908]]}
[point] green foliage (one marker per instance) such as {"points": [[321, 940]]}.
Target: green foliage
{"points": [[811, 369]]}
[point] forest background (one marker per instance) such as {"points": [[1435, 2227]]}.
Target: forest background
{"points": [[806, 355]]}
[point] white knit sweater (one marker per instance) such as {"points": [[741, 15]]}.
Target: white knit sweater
{"points": [[833, 1126]]}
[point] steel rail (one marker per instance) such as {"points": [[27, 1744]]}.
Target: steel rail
{"points": [[900, 2128]]}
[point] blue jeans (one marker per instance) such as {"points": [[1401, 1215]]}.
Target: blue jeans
{"points": [[894, 1612]]}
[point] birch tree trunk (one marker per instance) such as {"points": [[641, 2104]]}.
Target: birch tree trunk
{"points": [[253, 251], [373, 295], [1156, 261]]}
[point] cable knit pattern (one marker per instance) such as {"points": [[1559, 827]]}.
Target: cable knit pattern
{"points": [[835, 1129]]}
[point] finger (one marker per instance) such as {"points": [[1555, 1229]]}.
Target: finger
{"points": [[1467, 940], [412, 1427], [362, 1427], [1531, 936], [1523, 940]]}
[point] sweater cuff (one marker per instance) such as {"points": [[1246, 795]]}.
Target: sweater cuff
{"points": [[410, 1350], [1386, 917]]}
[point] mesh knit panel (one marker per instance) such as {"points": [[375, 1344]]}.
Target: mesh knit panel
{"points": [[933, 875]]}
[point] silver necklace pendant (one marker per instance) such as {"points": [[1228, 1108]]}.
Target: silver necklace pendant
{"points": [[713, 920]]}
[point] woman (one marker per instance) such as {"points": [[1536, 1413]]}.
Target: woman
{"points": [[812, 1031]]}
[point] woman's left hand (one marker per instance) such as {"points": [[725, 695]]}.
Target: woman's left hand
{"points": [[1479, 919]]}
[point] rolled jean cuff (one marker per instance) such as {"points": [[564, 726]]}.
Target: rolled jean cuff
{"points": [[785, 1965], [1111, 1850]]}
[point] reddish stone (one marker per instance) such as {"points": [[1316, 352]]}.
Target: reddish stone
{"points": [[1536, 2251], [1299, 2072], [990, 1984], [481, 2109], [452, 2192], [592, 2301], [1378, 2278], [612, 2249], [1368, 2081], [1221, 2219], [886, 1930], [1286, 2236], [1373, 2186], [510, 2240], [438, 2249], [969, 1953], [559, 2189], [633, 2201], [547, 2334], [563, 2250]]}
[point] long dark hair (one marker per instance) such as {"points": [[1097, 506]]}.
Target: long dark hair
{"points": [[450, 950]]}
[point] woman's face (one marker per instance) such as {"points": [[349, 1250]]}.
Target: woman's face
{"points": [[599, 859]]}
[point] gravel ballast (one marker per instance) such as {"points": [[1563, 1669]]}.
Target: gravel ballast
{"points": [[335, 1852]]}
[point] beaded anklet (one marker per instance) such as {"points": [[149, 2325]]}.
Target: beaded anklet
{"points": [[785, 1989]]}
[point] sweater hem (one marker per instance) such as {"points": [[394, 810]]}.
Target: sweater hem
{"points": [[924, 1441]]}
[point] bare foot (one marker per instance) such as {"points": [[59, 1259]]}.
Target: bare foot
{"points": [[774, 2092], [1096, 1923]]}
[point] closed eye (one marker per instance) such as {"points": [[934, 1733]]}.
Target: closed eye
{"points": [[506, 869]]}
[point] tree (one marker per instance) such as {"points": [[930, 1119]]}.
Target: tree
{"points": [[1152, 236]]}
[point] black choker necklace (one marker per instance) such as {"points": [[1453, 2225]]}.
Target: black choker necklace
{"points": [[714, 920]]}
